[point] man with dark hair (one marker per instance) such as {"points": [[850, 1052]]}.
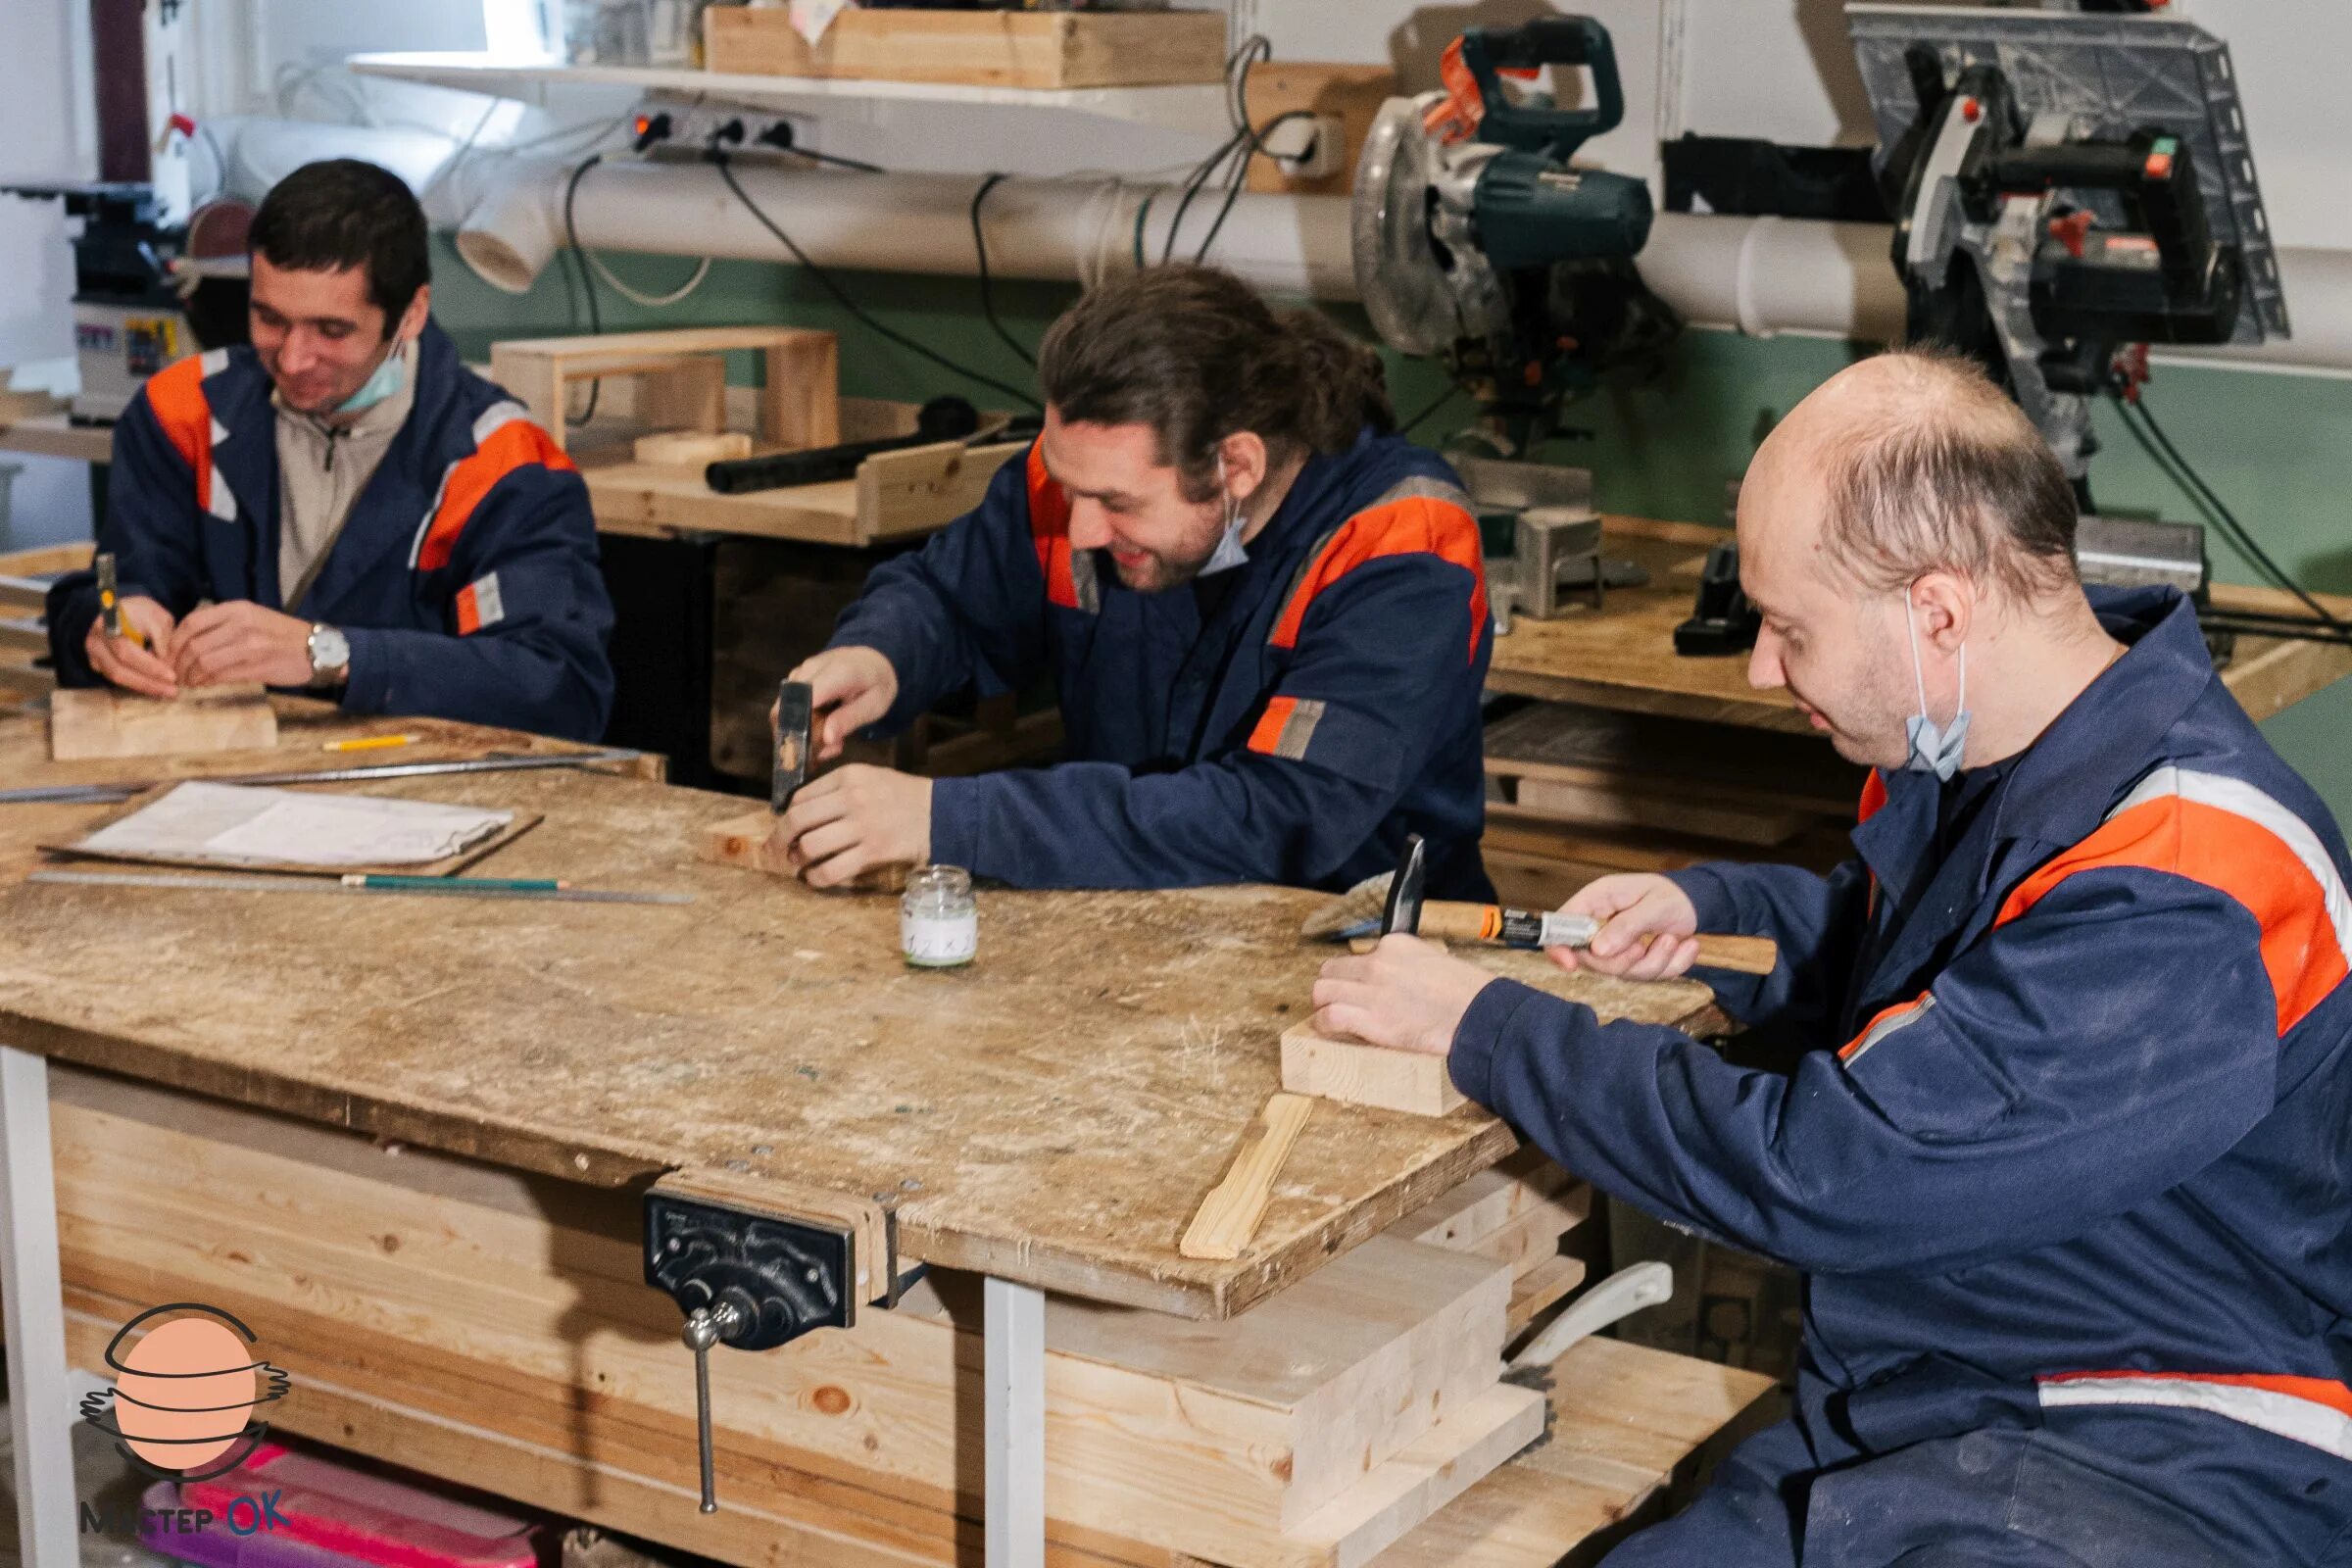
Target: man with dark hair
{"points": [[1265, 612], [2068, 1170], [343, 507]]}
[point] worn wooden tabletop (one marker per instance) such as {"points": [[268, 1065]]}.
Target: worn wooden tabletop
{"points": [[1051, 1114], [1621, 654]]}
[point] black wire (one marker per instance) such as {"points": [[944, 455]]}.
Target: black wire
{"points": [[1191, 188], [988, 292], [580, 258], [2188, 477], [1241, 172], [857, 311]]}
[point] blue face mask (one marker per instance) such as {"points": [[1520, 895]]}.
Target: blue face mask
{"points": [[388, 379], [1934, 749], [1229, 552]]}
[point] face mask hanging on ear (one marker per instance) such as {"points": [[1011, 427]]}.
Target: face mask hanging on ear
{"points": [[387, 381], [1934, 749], [1229, 552]]}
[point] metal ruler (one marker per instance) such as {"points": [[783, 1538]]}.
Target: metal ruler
{"points": [[104, 794]]}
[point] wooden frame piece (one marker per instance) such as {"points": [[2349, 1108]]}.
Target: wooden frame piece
{"points": [[684, 381]]}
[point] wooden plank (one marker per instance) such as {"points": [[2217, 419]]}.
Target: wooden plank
{"points": [[1063, 1105], [1443, 1463], [687, 448], [1573, 744], [45, 558], [54, 435], [1351, 94], [917, 490], [1616, 805], [800, 405], [97, 722], [1213, 1435], [685, 380], [1630, 1430], [989, 49], [1487, 1203], [1357, 1074], [1537, 1290], [1226, 1222]]}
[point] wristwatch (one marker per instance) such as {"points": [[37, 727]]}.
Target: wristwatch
{"points": [[330, 655]]}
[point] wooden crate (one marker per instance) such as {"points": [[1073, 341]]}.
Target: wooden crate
{"points": [[1034, 49], [682, 377]]}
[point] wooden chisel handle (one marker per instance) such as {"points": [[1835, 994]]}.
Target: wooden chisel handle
{"points": [[1521, 928]]}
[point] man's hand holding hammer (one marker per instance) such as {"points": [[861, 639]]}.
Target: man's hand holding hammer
{"points": [[860, 818]]}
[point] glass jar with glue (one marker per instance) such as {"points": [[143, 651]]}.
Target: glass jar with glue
{"points": [[939, 920]]}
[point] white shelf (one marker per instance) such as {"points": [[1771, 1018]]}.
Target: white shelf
{"points": [[1199, 108]]}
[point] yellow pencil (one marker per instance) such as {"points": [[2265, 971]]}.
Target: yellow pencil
{"points": [[370, 742]]}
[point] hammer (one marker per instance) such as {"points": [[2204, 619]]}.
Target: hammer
{"points": [[1405, 909]]}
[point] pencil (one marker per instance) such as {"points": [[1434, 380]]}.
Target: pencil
{"points": [[370, 742]]}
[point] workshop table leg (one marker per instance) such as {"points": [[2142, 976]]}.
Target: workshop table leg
{"points": [[1013, 1322], [40, 1397]]}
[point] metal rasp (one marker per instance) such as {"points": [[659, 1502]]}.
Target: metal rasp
{"points": [[795, 707]]}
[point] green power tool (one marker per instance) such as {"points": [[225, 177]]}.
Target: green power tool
{"points": [[1476, 241]]}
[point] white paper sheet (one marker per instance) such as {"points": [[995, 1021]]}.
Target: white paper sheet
{"points": [[237, 824]]}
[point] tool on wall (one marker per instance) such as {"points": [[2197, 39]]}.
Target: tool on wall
{"points": [[2067, 189], [1477, 242], [1393, 903]]}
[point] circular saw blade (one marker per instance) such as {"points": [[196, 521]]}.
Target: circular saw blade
{"points": [[1398, 270]]}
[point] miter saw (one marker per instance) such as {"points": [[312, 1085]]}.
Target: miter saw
{"points": [[2067, 189], [1476, 243]]}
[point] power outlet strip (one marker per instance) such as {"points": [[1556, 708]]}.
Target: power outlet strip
{"points": [[666, 126]]}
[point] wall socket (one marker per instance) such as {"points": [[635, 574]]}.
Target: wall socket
{"points": [[692, 126]]}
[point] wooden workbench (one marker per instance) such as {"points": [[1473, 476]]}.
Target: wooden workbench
{"points": [[1622, 655], [1051, 1116]]}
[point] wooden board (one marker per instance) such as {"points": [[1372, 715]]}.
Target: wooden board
{"points": [[1613, 805], [895, 495], [95, 722], [1348, 93], [1227, 1219], [1575, 745], [1354, 1074], [983, 49], [54, 435], [25, 575], [1062, 1105], [432, 1282]]}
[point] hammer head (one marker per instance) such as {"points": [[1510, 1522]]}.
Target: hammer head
{"points": [[1402, 913], [796, 705]]}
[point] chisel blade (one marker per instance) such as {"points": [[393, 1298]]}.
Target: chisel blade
{"points": [[796, 705]]}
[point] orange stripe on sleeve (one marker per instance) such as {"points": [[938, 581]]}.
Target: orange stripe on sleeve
{"points": [[2230, 854], [1877, 1028], [1270, 724], [1413, 525], [516, 444], [176, 394]]}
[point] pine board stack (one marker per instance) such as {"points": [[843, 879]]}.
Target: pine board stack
{"points": [[476, 1323], [1577, 792]]}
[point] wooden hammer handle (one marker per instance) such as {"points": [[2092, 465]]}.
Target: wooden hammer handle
{"points": [[1741, 954]]}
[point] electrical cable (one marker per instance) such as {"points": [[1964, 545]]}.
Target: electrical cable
{"points": [[1241, 172], [988, 293], [2159, 446], [572, 232], [650, 302], [842, 298], [1452, 391]]}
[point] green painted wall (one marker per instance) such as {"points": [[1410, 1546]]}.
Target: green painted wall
{"points": [[2278, 448]]}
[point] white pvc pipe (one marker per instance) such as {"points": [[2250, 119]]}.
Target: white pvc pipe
{"points": [[1756, 276]]}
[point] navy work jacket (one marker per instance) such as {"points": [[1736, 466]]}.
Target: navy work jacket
{"points": [[466, 577], [1328, 708], [2082, 1161]]}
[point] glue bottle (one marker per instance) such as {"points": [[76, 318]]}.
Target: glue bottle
{"points": [[939, 920]]}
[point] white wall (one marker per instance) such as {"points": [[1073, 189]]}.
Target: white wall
{"points": [[42, 136]]}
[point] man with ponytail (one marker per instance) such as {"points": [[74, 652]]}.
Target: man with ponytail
{"points": [[1263, 609]]}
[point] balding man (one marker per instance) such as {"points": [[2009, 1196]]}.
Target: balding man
{"points": [[2069, 1171]]}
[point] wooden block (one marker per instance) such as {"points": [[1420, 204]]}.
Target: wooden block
{"points": [[1445, 1461], [1487, 1202], [750, 841], [909, 492], [1227, 1219], [983, 49], [799, 403], [686, 449], [88, 722], [691, 395], [1357, 1074], [1350, 94]]}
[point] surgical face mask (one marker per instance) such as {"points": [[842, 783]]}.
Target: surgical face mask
{"points": [[1229, 552], [1934, 749], [387, 381]]}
